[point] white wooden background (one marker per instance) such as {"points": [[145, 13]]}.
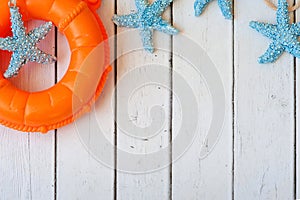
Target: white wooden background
{"points": [[257, 154]]}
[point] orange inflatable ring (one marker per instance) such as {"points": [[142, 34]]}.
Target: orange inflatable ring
{"points": [[79, 88]]}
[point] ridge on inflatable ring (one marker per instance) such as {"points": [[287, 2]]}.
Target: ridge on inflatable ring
{"points": [[84, 80]]}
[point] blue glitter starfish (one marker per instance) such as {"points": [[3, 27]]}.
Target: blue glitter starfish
{"points": [[284, 35], [146, 19], [225, 5], [23, 45]]}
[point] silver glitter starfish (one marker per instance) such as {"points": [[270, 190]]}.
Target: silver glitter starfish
{"points": [[225, 5], [146, 19], [284, 35], [23, 45]]}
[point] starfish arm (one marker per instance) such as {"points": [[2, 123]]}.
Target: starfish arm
{"points": [[268, 30], [16, 62], [296, 28], [200, 5], [226, 8], [17, 24], [141, 4], [7, 44], [159, 6], [272, 53], [130, 21], [40, 32], [283, 18], [165, 27], [294, 49], [147, 37], [41, 57]]}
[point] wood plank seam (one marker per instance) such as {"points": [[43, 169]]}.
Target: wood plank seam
{"points": [[55, 131], [295, 110], [116, 106], [171, 106], [233, 99]]}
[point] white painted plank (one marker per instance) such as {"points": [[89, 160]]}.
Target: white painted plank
{"points": [[264, 120], [143, 110], [195, 176], [80, 171], [27, 160]]}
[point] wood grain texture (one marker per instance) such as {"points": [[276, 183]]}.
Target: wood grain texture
{"points": [[264, 112], [27, 159], [79, 174], [195, 177], [145, 96]]}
